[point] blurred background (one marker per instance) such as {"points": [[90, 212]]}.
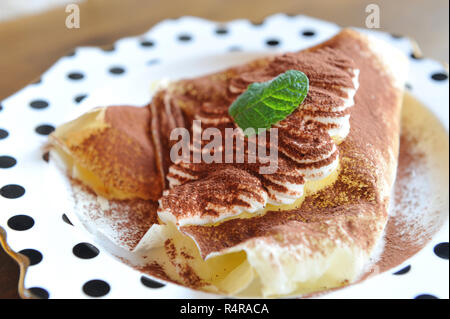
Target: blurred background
{"points": [[33, 35]]}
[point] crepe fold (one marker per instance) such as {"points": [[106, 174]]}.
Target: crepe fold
{"points": [[327, 239]]}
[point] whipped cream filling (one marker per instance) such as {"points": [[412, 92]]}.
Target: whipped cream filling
{"points": [[315, 158], [177, 176], [213, 120], [224, 212], [314, 174], [338, 126]]}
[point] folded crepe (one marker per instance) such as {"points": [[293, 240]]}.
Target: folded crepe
{"points": [[312, 225]]}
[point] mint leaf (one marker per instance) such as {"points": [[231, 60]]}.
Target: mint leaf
{"points": [[264, 104]]}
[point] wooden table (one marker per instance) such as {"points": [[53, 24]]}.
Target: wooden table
{"points": [[30, 45]]}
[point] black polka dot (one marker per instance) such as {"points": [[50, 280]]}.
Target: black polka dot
{"points": [[39, 292], [439, 76], [152, 61], [1, 107], [221, 30], [184, 37], [33, 255], [46, 157], [96, 288], [7, 161], [150, 283], [44, 129], [257, 23], [3, 134], [396, 36], [85, 251], [38, 104], [80, 98], [12, 191], [109, 48], [37, 81], [272, 42], [441, 250], [234, 49], [308, 33], [116, 70], [403, 270], [66, 219], [20, 222], [415, 56], [71, 53], [408, 86], [75, 76], [425, 296], [147, 43]]}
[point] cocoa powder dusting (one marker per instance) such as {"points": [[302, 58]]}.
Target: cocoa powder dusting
{"points": [[190, 277], [354, 208], [171, 250], [401, 242], [156, 270], [121, 155], [303, 142], [123, 221]]}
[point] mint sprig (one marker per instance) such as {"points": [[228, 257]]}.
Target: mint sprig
{"points": [[266, 103]]}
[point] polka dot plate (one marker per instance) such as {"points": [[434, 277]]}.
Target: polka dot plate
{"points": [[65, 260]]}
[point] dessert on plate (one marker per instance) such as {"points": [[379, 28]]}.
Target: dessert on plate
{"points": [[313, 223]]}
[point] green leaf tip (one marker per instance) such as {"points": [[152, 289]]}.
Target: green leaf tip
{"points": [[266, 103]]}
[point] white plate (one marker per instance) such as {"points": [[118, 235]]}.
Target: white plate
{"points": [[173, 48]]}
